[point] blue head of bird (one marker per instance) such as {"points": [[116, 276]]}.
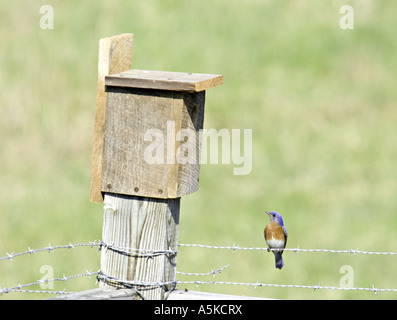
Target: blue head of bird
{"points": [[275, 217]]}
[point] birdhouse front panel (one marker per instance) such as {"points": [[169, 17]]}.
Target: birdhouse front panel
{"points": [[151, 142]]}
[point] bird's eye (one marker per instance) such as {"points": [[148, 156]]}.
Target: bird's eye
{"points": [[273, 215]]}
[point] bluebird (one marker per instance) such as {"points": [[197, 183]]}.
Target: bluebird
{"points": [[276, 236]]}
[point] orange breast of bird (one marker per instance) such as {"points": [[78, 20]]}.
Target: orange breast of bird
{"points": [[274, 232]]}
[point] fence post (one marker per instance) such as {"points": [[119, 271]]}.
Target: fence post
{"points": [[144, 223], [146, 157]]}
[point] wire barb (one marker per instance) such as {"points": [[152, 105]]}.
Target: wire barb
{"points": [[213, 272]]}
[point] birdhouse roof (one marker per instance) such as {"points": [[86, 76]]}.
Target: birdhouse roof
{"points": [[164, 80]]}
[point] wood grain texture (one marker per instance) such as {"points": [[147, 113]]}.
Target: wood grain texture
{"points": [[115, 55], [140, 223], [164, 80]]}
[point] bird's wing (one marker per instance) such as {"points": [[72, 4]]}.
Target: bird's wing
{"points": [[285, 236], [265, 232]]}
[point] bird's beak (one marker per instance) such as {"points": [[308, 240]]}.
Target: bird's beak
{"points": [[268, 213]]}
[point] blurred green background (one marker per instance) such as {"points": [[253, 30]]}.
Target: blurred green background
{"points": [[321, 103]]}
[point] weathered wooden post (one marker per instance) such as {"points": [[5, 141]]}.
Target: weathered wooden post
{"points": [[146, 156]]}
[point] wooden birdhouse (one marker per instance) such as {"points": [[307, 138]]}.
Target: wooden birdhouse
{"points": [[152, 140]]}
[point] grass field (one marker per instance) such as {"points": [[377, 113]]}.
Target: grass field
{"points": [[321, 103]]}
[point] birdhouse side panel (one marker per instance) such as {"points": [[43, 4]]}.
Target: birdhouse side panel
{"points": [[188, 153]]}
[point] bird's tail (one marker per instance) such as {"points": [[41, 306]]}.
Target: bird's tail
{"points": [[279, 259]]}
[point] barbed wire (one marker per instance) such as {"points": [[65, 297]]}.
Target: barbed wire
{"points": [[144, 253], [19, 287], [40, 291], [258, 284], [152, 253], [100, 276], [136, 284], [297, 250], [50, 249]]}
